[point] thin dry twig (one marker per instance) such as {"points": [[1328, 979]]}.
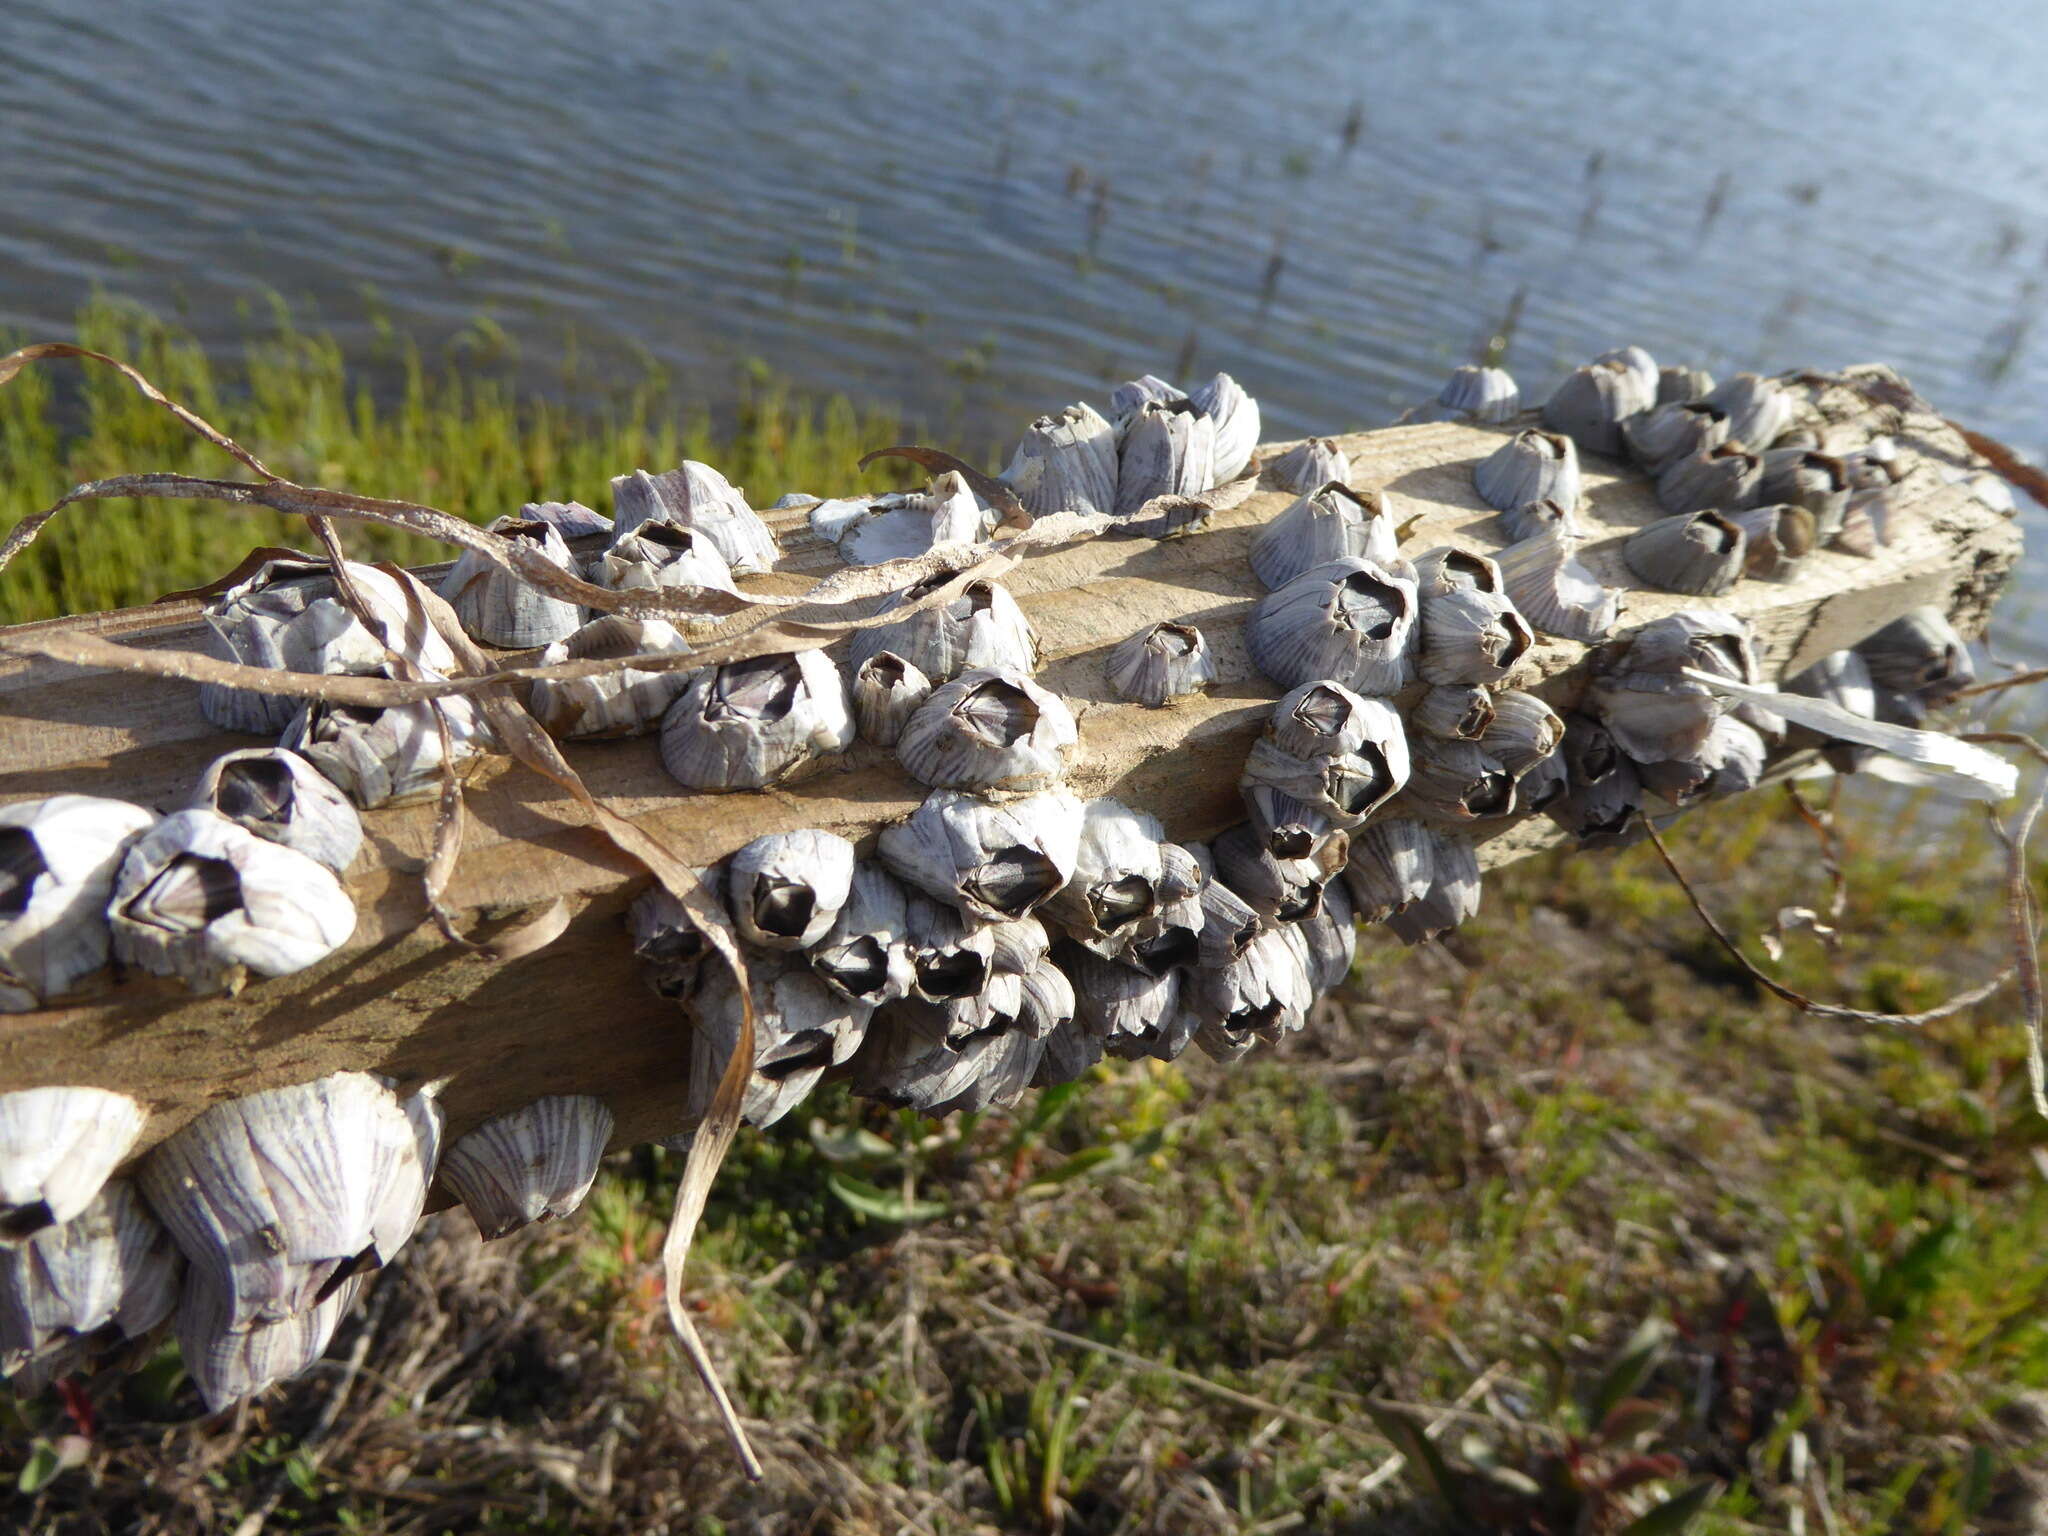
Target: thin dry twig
{"points": [[1799, 1000], [1185, 1378], [2025, 921]]}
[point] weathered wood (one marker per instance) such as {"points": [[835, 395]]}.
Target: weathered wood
{"points": [[576, 1018]]}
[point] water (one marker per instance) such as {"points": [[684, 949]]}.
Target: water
{"points": [[980, 210]]}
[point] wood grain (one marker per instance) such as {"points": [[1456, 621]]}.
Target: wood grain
{"points": [[576, 1018]]}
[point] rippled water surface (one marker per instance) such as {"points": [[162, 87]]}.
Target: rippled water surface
{"points": [[984, 208]]}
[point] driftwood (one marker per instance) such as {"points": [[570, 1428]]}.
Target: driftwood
{"points": [[575, 1017]]}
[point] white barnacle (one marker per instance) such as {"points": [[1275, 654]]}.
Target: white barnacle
{"points": [[1471, 636], [866, 955], [1701, 553], [531, 1164], [1776, 539], [1448, 569], [1758, 409], [1485, 396], [278, 1198], [58, 859], [230, 1359], [282, 798], [1524, 731], [988, 729], [1919, 654], [1328, 940], [389, 756], [1593, 402], [786, 889], [1673, 432], [1158, 665], [624, 701], [1067, 462], [1453, 894], [57, 1147], [79, 1290], [1235, 416], [1459, 781], [286, 617], [1678, 385], [1258, 997], [1278, 890], [1534, 517], [502, 608], [1167, 449], [1307, 466], [1530, 466], [1332, 522], [1804, 477], [659, 557], [752, 723], [1555, 590], [1135, 1013], [886, 691], [1126, 877], [1352, 621], [982, 627], [203, 899], [990, 861], [1392, 862], [1724, 478], [697, 497], [1461, 712]]}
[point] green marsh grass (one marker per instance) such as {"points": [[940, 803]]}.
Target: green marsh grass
{"points": [[465, 440]]}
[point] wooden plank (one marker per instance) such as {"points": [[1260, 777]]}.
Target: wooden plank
{"points": [[575, 1017]]}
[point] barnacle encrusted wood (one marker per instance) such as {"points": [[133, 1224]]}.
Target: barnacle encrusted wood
{"points": [[577, 1018]]}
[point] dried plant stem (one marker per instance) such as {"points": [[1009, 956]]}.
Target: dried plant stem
{"points": [[1799, 1000], [2025, 919]]}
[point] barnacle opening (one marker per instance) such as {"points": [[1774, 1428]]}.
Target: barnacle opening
{"points": [[1491, 794], [21, 865], [667, 535], [1714, 533], [255, 789], [783, 907], [1462, 568], [531, 531], [1354, 792], [188, 893], [1172, 640], [1368, 605], [1118, 902], [1323, 710], [1250, 1018], [885, 669], [1291, 840], [1014, 880], [26, 1220], [951, 973], [999, 712], [807, 1050], [1299, 901], [759, 688], [1173, 945], [859, 967]]}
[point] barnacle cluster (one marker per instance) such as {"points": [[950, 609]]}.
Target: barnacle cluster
{"points": [[1009, 932]]}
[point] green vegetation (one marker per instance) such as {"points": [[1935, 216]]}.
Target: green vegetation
{"points": [[1565, 1209], [1567, 1189], [465, 440]]}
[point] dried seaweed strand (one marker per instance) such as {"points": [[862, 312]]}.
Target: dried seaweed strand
{"points": [[1799, 1000], [523, 739], [1823, 824]]}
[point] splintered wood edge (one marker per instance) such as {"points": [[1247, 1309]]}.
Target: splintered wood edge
{"points": [[576, 1018]]}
